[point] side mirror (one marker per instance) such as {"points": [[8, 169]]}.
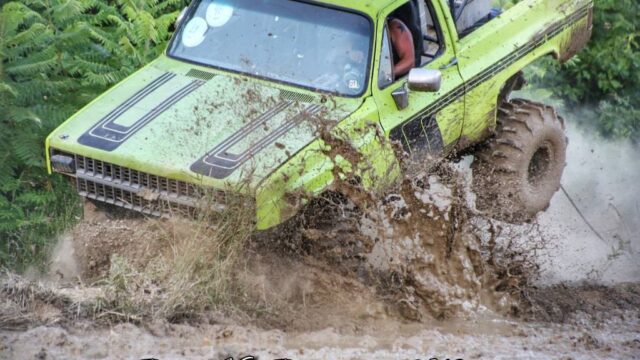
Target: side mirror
{"points": [[427, 80], [181, 16]]}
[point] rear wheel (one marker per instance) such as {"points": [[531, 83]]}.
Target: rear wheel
{"points": [[519, 170]]}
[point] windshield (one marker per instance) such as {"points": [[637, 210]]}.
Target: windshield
{"points": [[289, 41]]}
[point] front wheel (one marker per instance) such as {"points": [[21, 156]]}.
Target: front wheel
{"points": [[519, 170]]}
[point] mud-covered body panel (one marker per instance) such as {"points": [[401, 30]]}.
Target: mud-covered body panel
{"points": [[492, 54], [215, 132]]}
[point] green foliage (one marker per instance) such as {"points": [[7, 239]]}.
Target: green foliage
{"points": [[605, 77], [55, 56]]}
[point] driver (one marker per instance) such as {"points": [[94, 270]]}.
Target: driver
{"points": [[403, 51]]}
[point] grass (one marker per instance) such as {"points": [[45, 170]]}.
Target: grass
{"points": [[193, 272], [193, 267]]}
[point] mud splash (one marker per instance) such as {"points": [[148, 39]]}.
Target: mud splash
{"points": [[422, 239], [421, 248], [413, 254], [336, 287]]}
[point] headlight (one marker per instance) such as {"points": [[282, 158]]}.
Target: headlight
{"points": [[63, 164]]}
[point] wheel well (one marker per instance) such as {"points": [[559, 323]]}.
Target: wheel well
{"points": [[514, 80], [517, 80], [513, 83]]}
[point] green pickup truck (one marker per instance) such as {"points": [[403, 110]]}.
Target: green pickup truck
{"points": [[255, 98]]}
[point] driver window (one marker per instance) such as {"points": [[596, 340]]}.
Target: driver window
{"points": [[411, 39]]}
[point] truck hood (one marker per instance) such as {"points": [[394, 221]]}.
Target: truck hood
{"points": [[199, 125]]}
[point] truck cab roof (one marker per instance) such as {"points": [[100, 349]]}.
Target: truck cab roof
{"points": [[369, 7]]}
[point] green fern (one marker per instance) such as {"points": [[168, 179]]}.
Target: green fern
{"points": [[56, 56]]}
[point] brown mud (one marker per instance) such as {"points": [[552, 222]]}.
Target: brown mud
{"points": [[413, 254], [420, 247], [596, 324], [318, 302]]}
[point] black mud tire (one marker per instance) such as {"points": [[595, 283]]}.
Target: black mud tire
{"points": [[518, 171]]}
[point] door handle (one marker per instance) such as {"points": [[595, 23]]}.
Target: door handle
{"points": [[453, 62]]}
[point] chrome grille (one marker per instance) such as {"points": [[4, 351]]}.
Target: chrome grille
{"points": [[140, 191], [124, 175], [130, 200]]}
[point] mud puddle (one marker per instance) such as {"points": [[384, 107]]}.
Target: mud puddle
{"points": [[614, 333]]}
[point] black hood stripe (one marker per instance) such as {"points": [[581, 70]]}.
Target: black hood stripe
{"points": [[224, 154], [108, 136], [220, 162], [251, 126], [132, 101]]}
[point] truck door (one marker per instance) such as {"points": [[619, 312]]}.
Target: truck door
{"points": [[431, 123]]}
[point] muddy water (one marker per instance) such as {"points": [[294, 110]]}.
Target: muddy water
{"points": [[480, 338]]}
